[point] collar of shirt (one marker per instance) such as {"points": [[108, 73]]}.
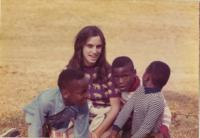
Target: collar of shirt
{"points": [[151, 90]]}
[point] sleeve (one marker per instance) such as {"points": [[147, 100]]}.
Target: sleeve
{"points": [[124, 114], [155, 110], [166, 118], [81, 128], [111, 90], [36, 119]]}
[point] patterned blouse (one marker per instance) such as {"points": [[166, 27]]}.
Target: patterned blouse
{"points": [[100, 93]]}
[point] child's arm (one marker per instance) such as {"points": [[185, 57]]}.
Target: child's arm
{"points": [[155, 110], [36, 120], [81, 128], [111, 115], [122, 117], [166, 120]]}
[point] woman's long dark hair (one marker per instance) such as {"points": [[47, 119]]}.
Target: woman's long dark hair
{"points": [[77, 59]]}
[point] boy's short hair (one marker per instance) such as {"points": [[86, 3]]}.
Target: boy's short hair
{"points": [[67, 76], [159, 72], [122, 61]]}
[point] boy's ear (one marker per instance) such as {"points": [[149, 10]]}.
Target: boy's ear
{"points": [[146, 77], [149, 79], [65, 93]]}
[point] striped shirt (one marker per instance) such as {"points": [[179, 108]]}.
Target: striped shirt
{"points": [[166, 116], [147, 112]]}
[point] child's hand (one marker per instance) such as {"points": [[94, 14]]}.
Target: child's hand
{"points": [[164, 131], [114, 134], [57, 134], [158, 135]]}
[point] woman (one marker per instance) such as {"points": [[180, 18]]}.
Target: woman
{"points": [[89, 56]]}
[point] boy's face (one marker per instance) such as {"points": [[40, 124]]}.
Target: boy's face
{"points": [[76, 93], [123, 77]]}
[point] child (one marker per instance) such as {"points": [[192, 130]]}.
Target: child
{"points": [[50, 113], [125, 78]]}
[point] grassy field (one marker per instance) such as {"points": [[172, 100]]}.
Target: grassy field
{"points": [[36, 42]]}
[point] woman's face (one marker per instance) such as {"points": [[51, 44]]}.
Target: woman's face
{"points": [[92, 50]]}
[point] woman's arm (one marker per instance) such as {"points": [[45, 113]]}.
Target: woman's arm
{"points": [[111, 115]]}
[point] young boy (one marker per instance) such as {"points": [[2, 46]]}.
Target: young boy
{"points": [[125, 78], [50, 113]]}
